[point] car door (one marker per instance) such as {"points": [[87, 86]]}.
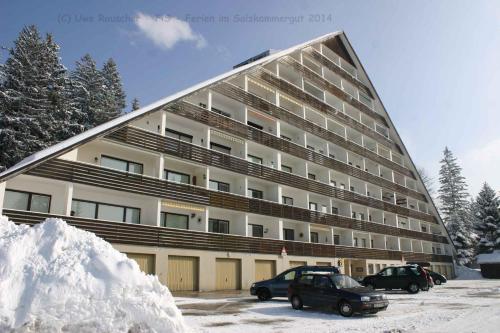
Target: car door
{"points": [[385, 279], [402, 279], [307, 290], [324, 292], [281, 283]]}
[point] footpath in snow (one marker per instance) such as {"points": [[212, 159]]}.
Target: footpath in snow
{"points": [[57, 278]]}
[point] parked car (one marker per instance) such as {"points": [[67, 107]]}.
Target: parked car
{"points": [[337, 290], [436, 277], [278, 286], [408, 277]]}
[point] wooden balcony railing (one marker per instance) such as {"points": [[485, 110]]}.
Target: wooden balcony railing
{"points": [[316, 55], [262, 105], [93, 175], [181, 149], [145, 235], [212, 119]]}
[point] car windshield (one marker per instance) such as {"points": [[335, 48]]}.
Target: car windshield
{"points": [[344, 281]]}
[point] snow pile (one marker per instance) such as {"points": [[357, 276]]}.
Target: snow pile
{"points": [[489, 258], [466, 273], [57, 278]]}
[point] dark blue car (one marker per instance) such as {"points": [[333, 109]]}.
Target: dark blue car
{"points": [[278, 286]]}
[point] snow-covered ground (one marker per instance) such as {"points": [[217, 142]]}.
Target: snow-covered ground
{"points": [[56, 278], [457, 306]]}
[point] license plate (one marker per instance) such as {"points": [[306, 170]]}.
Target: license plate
{"points": [[379, 305]]}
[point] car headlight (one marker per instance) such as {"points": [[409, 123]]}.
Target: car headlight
{"points": [[384, 296], [365, 298], [253, 285]]}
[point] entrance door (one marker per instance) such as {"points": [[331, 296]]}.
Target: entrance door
{"points": [[264, 269], [228, 274], [146, 262], [182, 273]]}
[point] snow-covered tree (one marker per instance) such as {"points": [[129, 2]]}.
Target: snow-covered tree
{"points": [[114, 94], [455, 207], [88, 92], [135, 104], [34, 106], [487, 219]]}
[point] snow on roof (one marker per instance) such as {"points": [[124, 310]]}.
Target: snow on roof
{"points": [[489, 258], [63, 146]]}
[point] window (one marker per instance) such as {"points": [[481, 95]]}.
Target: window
{"points": [[313, 206], [333, 183], [257, 230], [335, 211], [314, 237], [218, 186], [177, 177], [223, 113], [219, 226], [254, 159], [322, 282], [119, 164], [363, 242], [388, 272], [178, 135], [171, 220], [103, 211], [307, 279], [336, 239], [287, 201], [254, 125], [353, 215], [256, 194], [286, 168], [27, 201], [284, 137], [289, 234], [362, 216], [401, 271], [288, 276], [342, 186], [311, 176], [424, 228], [355, 241], [220, 148], [438, 250]]}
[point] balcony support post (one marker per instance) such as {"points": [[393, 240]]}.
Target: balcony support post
{"points": [[68, 198]]}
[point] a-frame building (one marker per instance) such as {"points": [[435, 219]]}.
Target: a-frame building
{"points": [[288, 159]]}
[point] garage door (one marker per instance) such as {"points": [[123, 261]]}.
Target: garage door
{"points": [[297, 263], [182, 273], [146, 262], [323, 263], [228, 274], [264, 269]]}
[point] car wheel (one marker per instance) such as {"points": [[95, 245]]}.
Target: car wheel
{"points": [[296, 302], [345, 309], [413, 288], [263, 295], [437, 282]]}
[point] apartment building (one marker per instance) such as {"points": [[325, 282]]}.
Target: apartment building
{"points": [[288, 159]]}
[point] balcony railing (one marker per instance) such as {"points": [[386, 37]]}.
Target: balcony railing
{"points": [[134, 234]]}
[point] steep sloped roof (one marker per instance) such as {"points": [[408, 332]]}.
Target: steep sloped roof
{"points": [[103, 129]]}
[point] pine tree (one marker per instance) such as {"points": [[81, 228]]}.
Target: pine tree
{"points": [[88, 92], [135, 104], [114, 94], [33, 97], [487, 219], [455, 207]]}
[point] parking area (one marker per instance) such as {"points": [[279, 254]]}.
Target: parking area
{"points": [[457, 306]]}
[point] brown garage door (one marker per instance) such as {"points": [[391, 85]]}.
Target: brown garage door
{"points": [[182, 273], [146, 262], [228, 274], [264, 269], [297, 263], [323, 263]]}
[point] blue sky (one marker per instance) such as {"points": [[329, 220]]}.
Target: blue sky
{"points": [[435, 64]]}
